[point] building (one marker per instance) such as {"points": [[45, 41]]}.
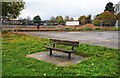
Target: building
{"points": [[72, 22], [117, 11], [117, 8]]}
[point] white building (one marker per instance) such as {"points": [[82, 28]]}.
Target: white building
{"points": [[72, 22], [117, 8]]}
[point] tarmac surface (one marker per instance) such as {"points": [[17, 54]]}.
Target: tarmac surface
{"points": [[104, 38]]}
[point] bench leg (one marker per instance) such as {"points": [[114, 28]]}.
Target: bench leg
{"points": [[69, 55], [50, 52]]}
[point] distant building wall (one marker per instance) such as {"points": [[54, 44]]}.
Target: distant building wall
{"points": [[72, 22], [117, 8]]}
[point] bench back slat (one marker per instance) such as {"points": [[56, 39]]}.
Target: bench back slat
{"points": [[65, 42]]}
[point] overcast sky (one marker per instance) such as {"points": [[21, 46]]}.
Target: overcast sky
{"points": [[73, 8]]}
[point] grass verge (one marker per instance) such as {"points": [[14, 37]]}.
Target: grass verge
{"points": [[102, 61]]}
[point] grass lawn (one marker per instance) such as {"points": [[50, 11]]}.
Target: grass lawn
{"points": [[101, 61]]}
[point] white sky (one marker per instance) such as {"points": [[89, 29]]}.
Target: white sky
{"points": [[73, 8]]}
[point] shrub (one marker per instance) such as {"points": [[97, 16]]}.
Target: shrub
{"points": [[97, 29], [96, 22], [118, 29], [86, 29], [66, 29]]}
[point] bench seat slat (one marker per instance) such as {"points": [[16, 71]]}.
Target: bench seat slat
{"points": [[58, 49], [66, 43]]}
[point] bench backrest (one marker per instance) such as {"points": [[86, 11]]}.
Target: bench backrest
{"points": [[65, 42]]}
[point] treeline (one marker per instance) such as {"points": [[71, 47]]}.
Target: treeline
{"points": [[106, 18]]}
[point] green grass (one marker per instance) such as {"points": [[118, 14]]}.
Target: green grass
{"points": [[101, 61]]}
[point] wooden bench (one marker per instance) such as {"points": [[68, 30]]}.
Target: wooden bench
{"points": [[62, 42]]}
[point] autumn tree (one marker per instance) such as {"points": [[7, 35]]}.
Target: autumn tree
{"points": [[80, 19], [11, 10], [59, 19], [106, 18], [97, 21], [84, 19]]}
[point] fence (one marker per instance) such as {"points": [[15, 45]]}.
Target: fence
{"points": [[83, 22], [101, 22]]}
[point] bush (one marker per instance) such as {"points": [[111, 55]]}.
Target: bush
{"points": [[118, 29], [86, 29], [5, 31], [66, 29], [97, 29], [96, 22]]}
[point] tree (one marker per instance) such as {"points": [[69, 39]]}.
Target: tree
{"points": [[84, 19], [96, 21], [28, 18], [24, 21], [66, 18], [71, 19], [89, 18], [37, 21], [11, 10], [59, 19], [80, 19], [52, 20], [109, 7], [106, 18]]}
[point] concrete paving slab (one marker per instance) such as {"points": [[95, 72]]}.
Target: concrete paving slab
{"points": [[58, 58]]}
